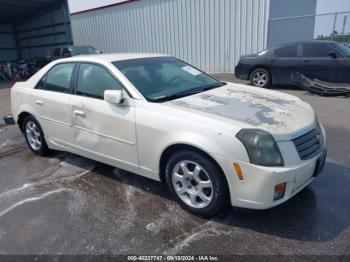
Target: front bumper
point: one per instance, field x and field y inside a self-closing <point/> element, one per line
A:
<point x="242" y="71"/>
<point x="257" y="188"/>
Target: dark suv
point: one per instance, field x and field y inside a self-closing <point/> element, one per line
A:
<point x="67" y="51"/>
<point x="323" y="60"/>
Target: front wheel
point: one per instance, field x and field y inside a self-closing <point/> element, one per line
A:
<point x="260" y="77"/>
<point x="196" y="183"/>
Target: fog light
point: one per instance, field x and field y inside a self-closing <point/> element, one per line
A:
<point x="280" y="189"/>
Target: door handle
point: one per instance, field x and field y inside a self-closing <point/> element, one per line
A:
<point x="306" y="61"/>
<point x="79" y="113"/>
<point x="39" y="102"/>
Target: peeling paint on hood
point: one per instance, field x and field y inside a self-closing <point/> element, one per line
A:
<point x="272" y="111"/>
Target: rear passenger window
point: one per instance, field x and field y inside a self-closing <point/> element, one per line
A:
<point x="93" y="80"/>
<point x="59" y="77"/>
<point x="289" y="51"/>
<point x="313" y="50"/>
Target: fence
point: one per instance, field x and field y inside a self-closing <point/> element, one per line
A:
<point x="328" y="26"/>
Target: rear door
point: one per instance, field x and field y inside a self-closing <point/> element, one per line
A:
<point x="51" y="99"/>
<point x="283" y="61"/>
<point x="316" y="62"/>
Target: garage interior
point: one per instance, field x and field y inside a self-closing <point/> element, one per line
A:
<point x="30" y="29"/>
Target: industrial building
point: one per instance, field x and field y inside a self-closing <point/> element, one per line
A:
<point x="211" y="34"/>
<point x="29" y="29"/>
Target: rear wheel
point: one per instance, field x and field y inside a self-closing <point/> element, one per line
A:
<point x="196" y="183"/>
<point x="34" y="136"/>
<point x="260" y="77"/>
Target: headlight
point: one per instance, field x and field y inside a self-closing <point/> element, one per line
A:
<point x="262" y="149"/>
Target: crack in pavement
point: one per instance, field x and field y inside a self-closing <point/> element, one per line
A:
<point x="206" y="229"/>
<point x="32" y="199"/>
<point x="11" y="152"/>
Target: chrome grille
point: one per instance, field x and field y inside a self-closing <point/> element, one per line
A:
<point x="309" y="144"/>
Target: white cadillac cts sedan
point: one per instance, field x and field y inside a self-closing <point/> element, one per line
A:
<point x="213" y="143"/>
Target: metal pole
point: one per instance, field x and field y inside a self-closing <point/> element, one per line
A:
<point x="66" y="19"/>
<point x="345" y="18"/>
<point x="335" y="21"/>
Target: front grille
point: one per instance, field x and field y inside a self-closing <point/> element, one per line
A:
<point x="309" y="144"/>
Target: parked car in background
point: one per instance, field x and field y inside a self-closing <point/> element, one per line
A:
<point x="323" y="60"/>
<point x="212" y="143"/>
<point x="73" y="50"/>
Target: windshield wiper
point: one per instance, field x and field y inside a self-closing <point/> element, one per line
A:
<point x="187" y="93"/>
<point x="206" y="88"/>
<point x="175" y="96"/>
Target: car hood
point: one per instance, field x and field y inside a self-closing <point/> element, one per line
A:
<point x="272" y="111"/>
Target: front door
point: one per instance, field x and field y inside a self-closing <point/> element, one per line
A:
<point x="104" y="131"/>
<point x="317" y="64"/>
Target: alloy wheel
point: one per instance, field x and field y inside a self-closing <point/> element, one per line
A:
<point x="33" y="135"/>
<point x="260" y="78"/>
<point x="192" y="184"/>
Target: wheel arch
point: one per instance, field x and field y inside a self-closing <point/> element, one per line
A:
<point x="166" y="154"/>
<point x="20" y="119"/>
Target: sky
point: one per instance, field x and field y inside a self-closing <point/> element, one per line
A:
<point x="76" y="5"/>
<point x="324" y="24"/>
<point x="331" y="6"/>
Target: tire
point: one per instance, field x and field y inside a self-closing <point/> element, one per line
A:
<point x="34" y="136"/>
<point x="202" y="181"/>
<point x="260" y="77"/>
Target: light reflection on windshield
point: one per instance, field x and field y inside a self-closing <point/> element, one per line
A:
<point x="159" y="78"/>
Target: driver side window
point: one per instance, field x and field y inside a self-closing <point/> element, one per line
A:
<point x="93" y="80"/>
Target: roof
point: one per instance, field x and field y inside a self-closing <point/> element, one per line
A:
<point x="304" y="42"/>
<point x="115" y="56"/>
<point x="15" y="12"/>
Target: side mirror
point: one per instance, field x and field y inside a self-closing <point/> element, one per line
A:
<point x="332" y="54"/>
<point x="113" y="96"/>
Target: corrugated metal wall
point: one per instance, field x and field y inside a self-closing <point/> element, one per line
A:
<point x="7" y="43"/>
<point x="211" y="34"/>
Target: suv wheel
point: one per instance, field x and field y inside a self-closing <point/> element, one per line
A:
<point x="260" y="77"/>
<point x="34" y="136"/>
<point x="196" y="183"/>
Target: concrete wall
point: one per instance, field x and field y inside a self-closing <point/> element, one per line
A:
<point x="211" y="34"/>
<point x="7" y="43"/>
<point x="283" y="29"/>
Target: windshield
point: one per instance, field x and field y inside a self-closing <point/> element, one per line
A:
<point x="82" y="50"/>
<point x="165" y="78"/>
<point x="343" y="49"/>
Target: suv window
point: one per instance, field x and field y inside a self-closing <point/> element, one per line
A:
<point x="93" y="80"/>
<point x="56" y="52"/>
<point x="59" y="78"/>
<point x="288" y="51"/>
<point x="65" y="52"/>
<point x="312" y="50"/>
